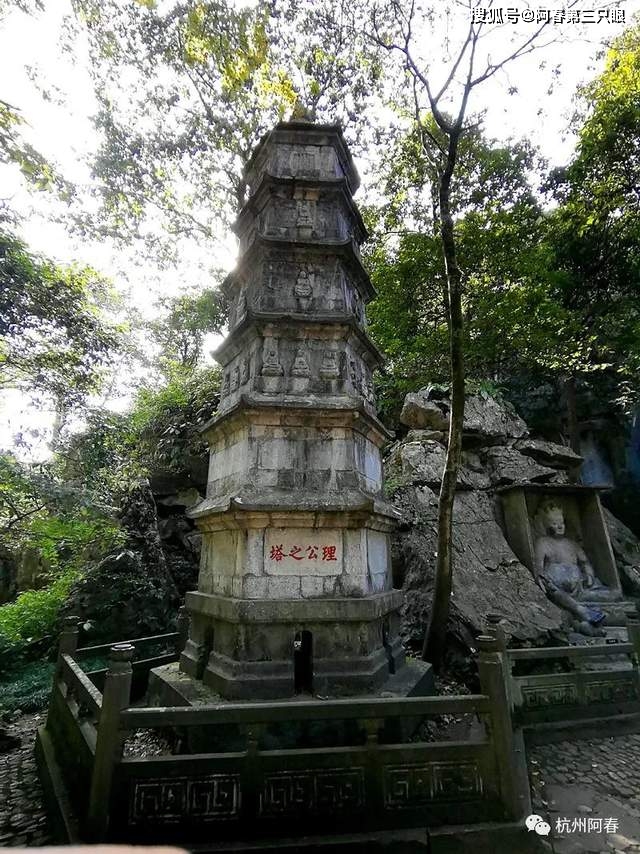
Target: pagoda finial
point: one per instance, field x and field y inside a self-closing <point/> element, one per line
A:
<point x="302" y="113"/>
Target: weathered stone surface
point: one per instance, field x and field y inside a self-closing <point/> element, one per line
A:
<point x="8" y="575"/>
<point x="423" y="462"/>
<point x="485" y="418"/>
<point x="422" y="435"/>
<point x="193" y="475"/>
<point x="549" y="453"/>
<point x="419" y="412"/>
<point x="487" y="577"/>
<point x="626" y="549"/>
<point x="181" y="498"/>
<point x="129" y="593"/>
<point x="489" y="418"/>
<point x="33" y="570"/>
<point x="507" y="465"/>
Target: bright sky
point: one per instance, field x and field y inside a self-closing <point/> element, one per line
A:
<point x="61" y="129"/>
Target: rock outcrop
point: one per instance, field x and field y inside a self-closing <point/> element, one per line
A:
<point x="488" y="576"/>
<point x="130" y="592"/>
<point x="485" y="419"/>
<point x="626" y="550"/>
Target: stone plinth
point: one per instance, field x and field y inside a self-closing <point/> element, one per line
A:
<point x="294" y="592"/>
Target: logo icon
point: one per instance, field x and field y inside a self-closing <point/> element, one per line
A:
<point x="537" y="823"/>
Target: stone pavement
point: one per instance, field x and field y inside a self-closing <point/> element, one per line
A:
<point x="589" y="792"/>
<point x="23" y="821"/>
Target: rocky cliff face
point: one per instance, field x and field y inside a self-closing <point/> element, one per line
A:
<point x="488" y="577"/>
<point x="136" y="590"/>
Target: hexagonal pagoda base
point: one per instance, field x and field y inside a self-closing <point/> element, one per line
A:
<point x="333" y="647"/>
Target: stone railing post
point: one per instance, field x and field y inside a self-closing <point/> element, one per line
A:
<point x="491" y="668"/>
<point x="115" y="697"/>
<point x="633" y="631"/>
<point x="68" y="643"/>
<point x="495" y="630"/>
<point x="374" y="781"/>
<point x="182" y="628"/>
<point x="251" y="773"/>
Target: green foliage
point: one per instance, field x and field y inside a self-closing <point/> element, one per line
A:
<point x="34" y="613"/>
<point x="160" y="433"/>
<point x="63" y="528"/>
<point x="187" y="89"/>
<point x="181" y="331"/>
<point x="26" y="687"/>
<point x="13" y="149"/>
<point x="515" y="317"/>
<point x="596" y="228"/>
<point x="40" y="510"/>
<point x="167" y="420"/>
<point x="53" y="337"/>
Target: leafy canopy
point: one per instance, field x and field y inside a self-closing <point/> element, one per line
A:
<point x="53" y="335"/>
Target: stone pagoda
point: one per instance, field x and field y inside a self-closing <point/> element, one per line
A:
<point x="294" y="592"/>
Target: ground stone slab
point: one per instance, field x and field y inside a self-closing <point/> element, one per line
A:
<point x="23" y="820"/>
<point x="600" y="788"/>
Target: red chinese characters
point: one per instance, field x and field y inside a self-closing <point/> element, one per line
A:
<point x="312" y="552"/>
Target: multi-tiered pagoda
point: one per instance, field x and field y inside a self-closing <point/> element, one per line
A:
<point x="294" y="592"/>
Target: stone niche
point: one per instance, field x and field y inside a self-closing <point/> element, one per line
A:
<point x="583" y="518"/>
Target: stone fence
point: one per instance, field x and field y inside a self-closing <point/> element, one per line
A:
<point x="255" y="771"/>
<point x="261" y="770"/>
<point x="589" y="682"/>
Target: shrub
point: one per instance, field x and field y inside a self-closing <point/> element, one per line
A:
<point x="34" y="613"/>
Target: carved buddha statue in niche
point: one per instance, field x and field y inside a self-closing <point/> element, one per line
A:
<point x="565" y="573"/>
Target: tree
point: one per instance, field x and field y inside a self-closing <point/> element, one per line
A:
<point x="443" y="99"/>
<point x="53" y="336"/>
<point x="515" y="321"/>
<point x="596" y="227"/>
<point x="186" y="90"/>
<point x="181" y="331"/>
<point x="39" y="173"/>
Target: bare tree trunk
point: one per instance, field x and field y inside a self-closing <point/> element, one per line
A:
<point x="435" y="638"/>
<point x="569" y="389"/>
<point x="58" y="423"/>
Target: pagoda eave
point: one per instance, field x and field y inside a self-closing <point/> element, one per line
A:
<point x="269" y="181"/>
<point x="295" y="408"/>
<point x="288" y="132"/>
<point x="296" y="509"/>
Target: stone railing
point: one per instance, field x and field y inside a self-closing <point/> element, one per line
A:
<point x="595" y="680"/>
<point x="255" y="770"/>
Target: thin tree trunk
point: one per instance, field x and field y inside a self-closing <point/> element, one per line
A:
<point x="58" y="423"/>
<point x="435" y="638"/>
<point x="569" y="388"/>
